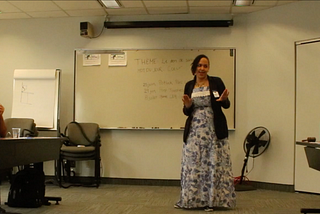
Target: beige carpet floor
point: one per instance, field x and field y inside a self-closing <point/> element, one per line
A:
<point x="133" y="199"/>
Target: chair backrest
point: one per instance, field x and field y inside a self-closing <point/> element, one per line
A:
<point x="83" y="133"/>
<point x="27" y="126"/>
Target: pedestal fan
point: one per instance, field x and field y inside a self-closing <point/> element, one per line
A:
<point x="255" y="143"/>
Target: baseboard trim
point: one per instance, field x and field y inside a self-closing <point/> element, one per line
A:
<point x="175" y="182"/>
<point x="273" y="186"/>
<point x="136" y="181"/>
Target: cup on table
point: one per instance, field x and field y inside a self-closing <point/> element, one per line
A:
<point x="15" y="132"/>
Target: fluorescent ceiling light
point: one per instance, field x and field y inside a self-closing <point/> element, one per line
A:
<point x="111" y="3"/>
<point x="243" y="2"/>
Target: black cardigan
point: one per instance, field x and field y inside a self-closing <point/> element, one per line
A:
<point x="219" y="121"/>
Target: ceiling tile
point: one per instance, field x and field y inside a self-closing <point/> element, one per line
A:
<point x="99" y="12"/>
<point x="246" y="9"/>
<point x="281" y="2"/>
<point x="265" y="3"/>
<point x="7" y="7"/>
<point x="167" y="10"/>
<point x="28" y="6"/>
<point x="211" y="10"/>
<point x="209" y="3"/>
<point x="78" y="5"/>
<point x="150" y="8"/>
<point x="48" y="14"/>
<point x="14" y="16"/>
<point x="155" y="3"/>
<point x="128" y="4"/>
<point x="125" y="11"/>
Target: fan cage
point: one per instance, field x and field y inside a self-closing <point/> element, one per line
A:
<point x="264" y="139"/>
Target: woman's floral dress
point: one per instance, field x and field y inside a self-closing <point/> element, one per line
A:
<point x="206" y="175"/>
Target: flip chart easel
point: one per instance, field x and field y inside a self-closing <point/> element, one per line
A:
<point x="36" y="96"/>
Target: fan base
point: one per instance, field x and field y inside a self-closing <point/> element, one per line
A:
<point x="244" y="187"/>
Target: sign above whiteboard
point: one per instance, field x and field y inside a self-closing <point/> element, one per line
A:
<point x="91" y="59"/>
<point x="118" y="59"/>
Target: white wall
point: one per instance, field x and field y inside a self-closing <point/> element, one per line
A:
<point x="271" y="35"/>
<point x="264" y="83"/>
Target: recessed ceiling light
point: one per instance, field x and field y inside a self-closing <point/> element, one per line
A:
<point x="111" y="3"/>
<point x="243" y="2"/>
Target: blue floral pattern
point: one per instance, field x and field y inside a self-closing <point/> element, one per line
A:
<point x="206" y="175"/>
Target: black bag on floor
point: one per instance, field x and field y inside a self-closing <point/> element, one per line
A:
<point x="27" y="189"/>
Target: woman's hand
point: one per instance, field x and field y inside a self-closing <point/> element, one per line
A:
<point x="1" y="109"/>
<point x="224" y="95"/>
<point x="187" y="101"/>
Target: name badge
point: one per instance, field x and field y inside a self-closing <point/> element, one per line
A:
<point x="215" y="94"/>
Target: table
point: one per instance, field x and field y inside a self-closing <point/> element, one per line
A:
<point x="309" y="144"/>
<point x="312" y="150"/>
<point x="27" y="150"/>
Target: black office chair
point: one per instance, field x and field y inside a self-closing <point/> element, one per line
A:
<point x="27" y="126"/>
<point x="83" y="143"/>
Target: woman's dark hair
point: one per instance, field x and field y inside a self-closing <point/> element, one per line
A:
<point x="196" y="61"/>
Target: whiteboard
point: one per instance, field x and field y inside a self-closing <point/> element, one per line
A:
<point x="142" y="89"/>
<point x="36" y="96"/>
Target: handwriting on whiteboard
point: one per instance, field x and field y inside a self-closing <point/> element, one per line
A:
<point x="163" y="89"/>
<point x="152" y="65"/>
<point x="170" y="88"/>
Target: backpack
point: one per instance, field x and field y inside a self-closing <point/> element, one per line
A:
<point x="27" y="189"/>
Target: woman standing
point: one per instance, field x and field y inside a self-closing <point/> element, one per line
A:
<point x="206" y="174"/>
